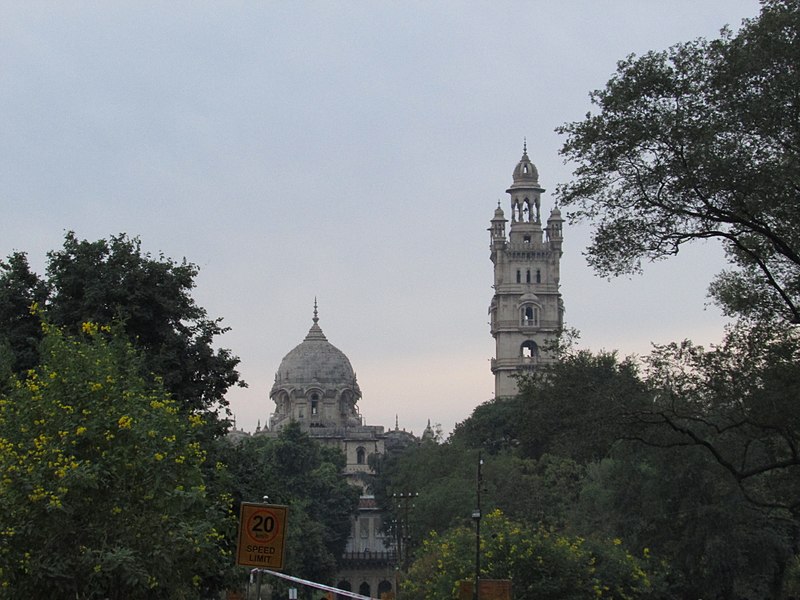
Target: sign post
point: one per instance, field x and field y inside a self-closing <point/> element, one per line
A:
<point x="262" y="531"/>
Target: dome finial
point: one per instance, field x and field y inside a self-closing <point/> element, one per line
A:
<point x="524" y="145"/>
<point x="316" y="318"/>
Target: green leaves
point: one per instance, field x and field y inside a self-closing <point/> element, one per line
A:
<point x="103" y="492"/>
<point x="700" y="141"/>
<point x="114" y="280"/>
<point x="296" y="470"/>
<point x="540" y="563"/>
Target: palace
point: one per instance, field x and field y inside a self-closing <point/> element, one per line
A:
<point x="315" y="384"/>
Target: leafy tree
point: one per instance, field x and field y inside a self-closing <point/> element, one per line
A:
<point x="493" y="426"/>
<point x="295" y="470"/>
<point x="574" y="408"/>
<point x="20" y="329"/>
<point x="678" y="505"/>
<point x="103" y="493"/>
<point x="738" y="402"/>
<point x="698" y="142"/>
<point x="114" y="280"/>
<point x="541" y="564"/>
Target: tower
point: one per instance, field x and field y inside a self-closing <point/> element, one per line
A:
<point x="526" y="311"/>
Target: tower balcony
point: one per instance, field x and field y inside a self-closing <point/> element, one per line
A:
<point x="548" y="325"/>
<point x="514" y="364"/>
<point x="355" y="560"/>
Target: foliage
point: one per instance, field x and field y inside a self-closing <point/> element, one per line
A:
<point x="678" y="503"/>
<point x="114" y="280"/>
<point x="493" y="426"/>
<point x="295" y="470"/>
<point x="540" y="563"/>
<point x="535" y="491"/>
<point x="574" y="408"/>
<point x="20" y="288"/>
<point x="738" y="401"/>
<point x="103" y="492"/>
<point x="697" y="142"/>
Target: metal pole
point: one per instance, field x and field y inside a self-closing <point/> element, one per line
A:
<point x="477" y="516"/>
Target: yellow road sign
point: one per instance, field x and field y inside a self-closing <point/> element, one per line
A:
<point x="262" y="530"/>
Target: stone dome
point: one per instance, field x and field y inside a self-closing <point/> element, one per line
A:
<point x="525" y="173"/>
<point x="316" y="361"/>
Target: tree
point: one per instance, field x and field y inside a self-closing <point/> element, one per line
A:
<point x="540" y="564"/>
<point x="574" y="408"/>
<point x="103" y="492"/>
<point x="20" y="329"/>
<point x="701" y="141"/>
<point x="114" y="280"/>
<point x="677" y="504"/>
<point x="738" y="401"/>
<point x="295" y="470"/>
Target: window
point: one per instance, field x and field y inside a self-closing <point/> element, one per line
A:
<point x="530" y="350"/>
<point x="538" y="276"/>
<point x="384" y="588"/>
<point x="528" y="276"/>
<point x="529" y="315"/>
<point x="519" y="276"/>
<point x="361" y="455"/>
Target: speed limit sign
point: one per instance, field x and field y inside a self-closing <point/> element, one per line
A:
<point x="262" y="531"/>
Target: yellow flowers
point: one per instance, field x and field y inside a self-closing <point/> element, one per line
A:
<point x="80" y="430"/>
<point x="125" y="422"/>
<point x="89" y="328"/>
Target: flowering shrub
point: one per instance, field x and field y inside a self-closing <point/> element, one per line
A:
<point x="540" y="563"/>
<point x="102" y="492"/>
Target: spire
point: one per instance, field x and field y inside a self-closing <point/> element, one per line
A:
<point x="315" y="333"/>
<point x="524" y="145"/>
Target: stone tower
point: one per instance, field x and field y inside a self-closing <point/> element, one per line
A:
<point x="526" y="311"/>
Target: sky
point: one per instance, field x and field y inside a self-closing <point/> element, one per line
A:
<point x="353" y="152"/>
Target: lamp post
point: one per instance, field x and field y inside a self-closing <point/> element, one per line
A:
<point x="476" y="514"/>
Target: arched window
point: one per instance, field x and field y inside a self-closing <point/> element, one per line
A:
<point x="529" y="350"/>
<point x="519" y="276"/>
<point x="538" y="276"/>
<point x="314" y="405"/>
<point x="384" y="587"/>
<point x="529" y="315"/>
<point x="361" y="455"/>
<point x="344" y="585"/>
<point x="364" y="589"/>
<point x="528" y="276"/>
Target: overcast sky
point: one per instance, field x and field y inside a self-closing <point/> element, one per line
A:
<point x="352" y="151"/>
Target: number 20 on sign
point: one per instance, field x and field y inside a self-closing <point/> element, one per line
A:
<point x="262" y="530"/>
